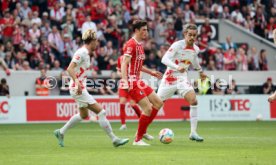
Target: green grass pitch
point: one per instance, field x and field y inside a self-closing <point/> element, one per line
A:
<point x="226" y="143"/>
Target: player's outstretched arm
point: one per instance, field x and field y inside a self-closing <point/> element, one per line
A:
<point x="152" y="72"/>
<point x="72" y="74"/>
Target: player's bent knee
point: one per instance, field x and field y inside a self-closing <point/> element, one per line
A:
<point x="147" y="110"/>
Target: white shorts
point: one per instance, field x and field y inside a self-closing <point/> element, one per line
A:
<point x="167" y="90"/>
<point x="84" y="99"/>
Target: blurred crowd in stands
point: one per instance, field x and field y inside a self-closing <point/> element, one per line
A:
<point x="45" y="33"/>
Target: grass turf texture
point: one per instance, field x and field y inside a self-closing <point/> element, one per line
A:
<point x="227" y="143"/>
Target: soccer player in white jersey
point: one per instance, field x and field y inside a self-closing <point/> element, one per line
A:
<point x="77" y="70"/>
<point x="178" y="59"/>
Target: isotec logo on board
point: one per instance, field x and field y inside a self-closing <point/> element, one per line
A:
<point x="66" y="109"/>
<point x="230" y="105"/>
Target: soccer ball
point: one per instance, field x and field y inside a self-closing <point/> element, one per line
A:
<point x="166" y="136"/>
<point x="259" y="117"/>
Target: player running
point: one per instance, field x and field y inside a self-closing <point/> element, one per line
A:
<point x="178" y="59"/>
<point x="77" y="70"/>
<point x="142" y="94"/>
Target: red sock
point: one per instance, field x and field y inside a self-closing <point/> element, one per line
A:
<point x="123" y="113"/>
<point x="153" y="114"/>
<point x="137" y="110"/>
<point x="142" y="127"/>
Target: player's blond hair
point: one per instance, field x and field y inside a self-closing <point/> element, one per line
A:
<point x="189" y="27"/>
<point x="88" y="36"/>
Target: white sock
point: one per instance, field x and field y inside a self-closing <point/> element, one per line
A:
<point x="193" y="118"/>
<point x="104" y="123"/>
<point x="73" y="121"/>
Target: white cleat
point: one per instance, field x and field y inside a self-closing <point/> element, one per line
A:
<point x="140" y="143"/>
<point x="123" y="127"/>
<point x="148" y="137"/>
<point x="196" y="137"/>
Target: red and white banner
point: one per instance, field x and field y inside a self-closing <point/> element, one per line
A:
<point x="210" y="108"/>
<point x="63" y="109"/>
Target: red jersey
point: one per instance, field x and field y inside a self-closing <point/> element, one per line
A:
<point x="135" y="50"/>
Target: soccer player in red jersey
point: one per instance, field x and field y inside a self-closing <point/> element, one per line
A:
<point x="124" y="98"/>
<point x="142" y="94"/>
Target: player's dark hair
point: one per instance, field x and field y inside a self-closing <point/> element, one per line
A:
<point x="137" y="24"/>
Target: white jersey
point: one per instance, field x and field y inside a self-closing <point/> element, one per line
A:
<point x="174" y="81"/>
<point x="179" y="54"/>
<point x="82" y="59"/>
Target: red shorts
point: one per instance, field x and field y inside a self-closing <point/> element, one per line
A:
<point x="138" y="90"/>
<point x="123" y="93"/>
